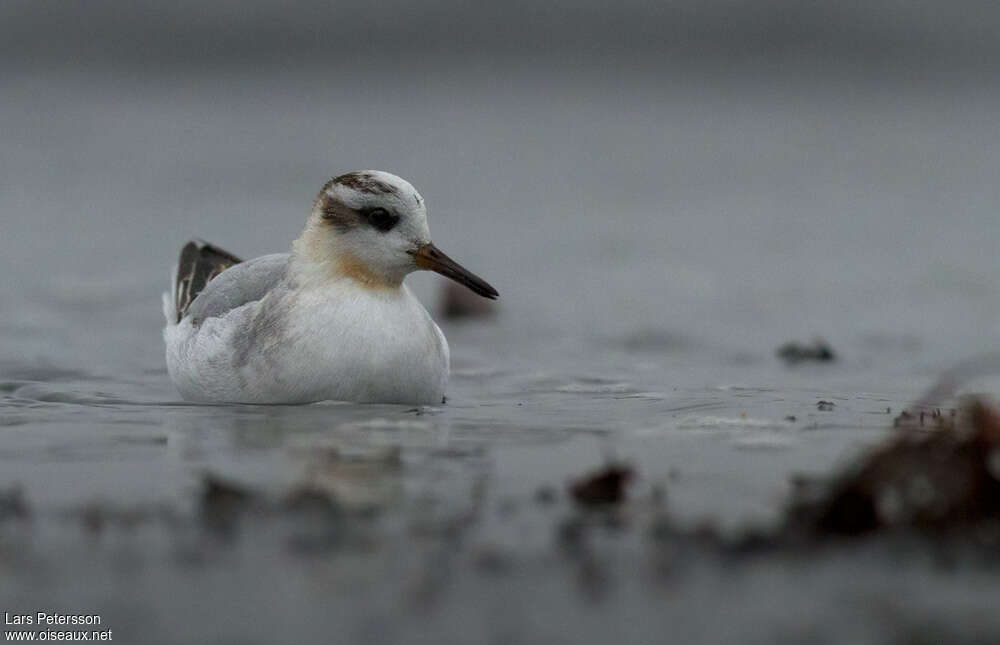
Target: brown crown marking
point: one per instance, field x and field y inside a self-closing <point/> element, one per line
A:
<point x="364" y="182"/>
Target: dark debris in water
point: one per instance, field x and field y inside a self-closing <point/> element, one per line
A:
<point x="457" y="302"/>
<point x="13" y="506"/>
<point x="604" y="487"/>
<point x="825" y="406"/>
<point x="223" y="502"/>
<point x="794" y="353"/>
<point x="937" y="477"/>
<point x="920" y="418"/>
<point x="938" y="480"/>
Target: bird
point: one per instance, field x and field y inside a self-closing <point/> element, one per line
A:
<point x="330" y="320"/>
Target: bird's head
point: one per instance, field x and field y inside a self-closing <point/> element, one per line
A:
<point x="371" y="226"/>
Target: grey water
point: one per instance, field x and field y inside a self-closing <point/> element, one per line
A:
<point x="655" y="230"/>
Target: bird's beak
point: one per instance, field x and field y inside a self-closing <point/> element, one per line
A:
<point x="427" y="256"/>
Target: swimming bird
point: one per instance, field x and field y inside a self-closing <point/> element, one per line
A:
<point x="331" y="320"/>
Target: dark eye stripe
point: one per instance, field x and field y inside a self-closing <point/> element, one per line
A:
<point x="381" y="219"/>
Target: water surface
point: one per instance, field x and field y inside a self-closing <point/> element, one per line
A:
<point x="654" y="236"/>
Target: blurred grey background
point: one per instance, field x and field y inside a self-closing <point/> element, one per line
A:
<point x="563" y="38"/>
<point x="737" y="171"/>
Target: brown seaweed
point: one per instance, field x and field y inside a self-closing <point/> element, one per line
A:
<point x="604" y="487"/>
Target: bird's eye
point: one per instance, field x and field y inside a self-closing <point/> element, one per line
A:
<point x="381" y="219"/>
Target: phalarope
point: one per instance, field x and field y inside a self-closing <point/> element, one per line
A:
<point x="332" y="320"/>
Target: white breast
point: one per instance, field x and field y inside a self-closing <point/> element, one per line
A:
<point x="340" y="342"/>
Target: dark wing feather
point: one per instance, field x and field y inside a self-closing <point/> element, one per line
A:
<point x="199" y="263"/>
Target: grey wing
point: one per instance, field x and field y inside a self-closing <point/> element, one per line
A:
<point x="242" y="283"/>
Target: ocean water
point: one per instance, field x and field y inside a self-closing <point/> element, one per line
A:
<point x="655" y="237"/>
